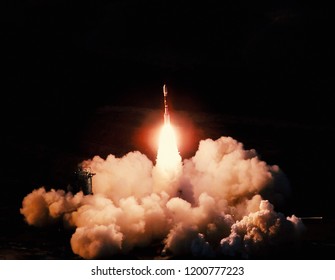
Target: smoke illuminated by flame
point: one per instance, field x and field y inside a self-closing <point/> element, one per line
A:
<point x="210" y="205"/>
<point x="168" y="156"/>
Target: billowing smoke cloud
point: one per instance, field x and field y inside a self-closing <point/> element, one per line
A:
<point x="221" y="202"/>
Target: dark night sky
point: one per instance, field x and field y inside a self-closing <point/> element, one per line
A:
<point x="63" y="59"/>
<point x="267" y="56"/>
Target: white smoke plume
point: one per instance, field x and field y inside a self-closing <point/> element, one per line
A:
<point x="210" y="206"/>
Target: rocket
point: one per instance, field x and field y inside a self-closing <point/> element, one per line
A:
<point x="166" y="109"/>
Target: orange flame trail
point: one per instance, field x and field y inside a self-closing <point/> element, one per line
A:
<point x="168" y="157"/>
<point x="168" y="167"/>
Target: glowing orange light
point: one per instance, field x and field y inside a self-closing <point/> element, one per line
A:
<point x="168" y="155"/>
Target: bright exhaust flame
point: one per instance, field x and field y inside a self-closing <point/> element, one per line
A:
<point x="168" y="157"/>
<point x="218" y="203"/>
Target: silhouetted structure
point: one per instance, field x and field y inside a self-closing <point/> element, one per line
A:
<point x="83" y="180"/>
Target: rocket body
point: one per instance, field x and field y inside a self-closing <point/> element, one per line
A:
<point x="166" y="109"/>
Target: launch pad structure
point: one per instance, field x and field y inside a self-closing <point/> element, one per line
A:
<point x="83" y="180"/>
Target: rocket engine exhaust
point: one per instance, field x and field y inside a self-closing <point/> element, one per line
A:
<point x="168" y="158"/>
<point x="218" y="203"/>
